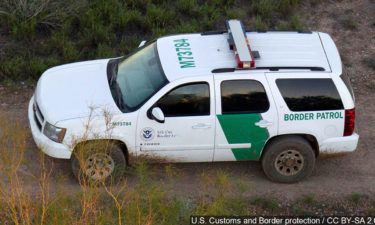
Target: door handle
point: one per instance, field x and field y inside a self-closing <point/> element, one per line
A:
<point x="263" y="123"/>
<point x="201" y="126"/>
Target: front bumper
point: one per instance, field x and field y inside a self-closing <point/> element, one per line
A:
<point x="339" y="144"/>
<point x="49" y="147"/>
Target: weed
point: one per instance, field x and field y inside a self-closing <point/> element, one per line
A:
<point x="171" y="171"/>
<point x="242" y="186"/>
<point x="264" y="8"/>
<point x="189" y="8"/>
<point x="369" y="62"/>
<point x="370" y="211"/>
<point x="266" y="202"/>
<point x="285" y="7"/>
<point x="237" y="13"/>
<point x="315" y="3"/>
<point x="356" y="197"/>
<point x="159" y="17"/>
<point x="260" y="24"/>
<point x="295" y="23"/>
<point x="309" y="199"/>
<point x="348" y="23"/>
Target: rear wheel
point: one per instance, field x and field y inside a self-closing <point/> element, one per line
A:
<point x="288" y="160"/>
<point x="99" y="162"/>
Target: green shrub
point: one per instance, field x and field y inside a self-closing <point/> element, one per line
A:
<point x="189" y="8"/>
<point x="369" y="62"/>
<point x="236" y="13"/>
<point x="309" y="199"/>
<point x="266" y="202"/>
<point x="356" y="197"/>
<point x="25" y="16"/>
<point x="295" y="23"/>
<point x="264" y="8"/>
<point x="43" y="33"/>
<point x="285" y="7"/>
<point x="260" y="24"/>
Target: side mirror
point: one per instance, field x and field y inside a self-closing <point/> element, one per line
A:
<point x="142" y="43"/>
<point x="157" y="115"/>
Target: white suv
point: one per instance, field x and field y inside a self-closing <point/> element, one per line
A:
<point x="278" y="97"/>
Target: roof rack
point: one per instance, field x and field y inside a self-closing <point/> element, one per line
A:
<point x="271" y="68"/>
<point x="216" y="32"/>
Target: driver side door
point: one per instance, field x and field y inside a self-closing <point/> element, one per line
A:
<point x="188" y="131"/>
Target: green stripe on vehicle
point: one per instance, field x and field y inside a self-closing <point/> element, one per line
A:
<point x="241" y="129"/>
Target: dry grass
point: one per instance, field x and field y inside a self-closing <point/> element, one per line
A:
<point x="148" y="201"/>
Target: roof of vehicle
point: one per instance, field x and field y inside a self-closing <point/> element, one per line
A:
<point x="276" y="49"/>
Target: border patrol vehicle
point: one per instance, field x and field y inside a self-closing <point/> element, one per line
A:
<point x="277" y="97"/>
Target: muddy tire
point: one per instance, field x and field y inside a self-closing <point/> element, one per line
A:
<point x="99" y="162"/>
<point x="288" y="160"/>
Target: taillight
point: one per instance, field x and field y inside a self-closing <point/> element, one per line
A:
<point x="349" y="122"/>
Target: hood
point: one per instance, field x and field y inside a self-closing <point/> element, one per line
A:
<point x="69" y="91"/>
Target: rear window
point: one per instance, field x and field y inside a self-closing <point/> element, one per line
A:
<point x="310" y="94"/>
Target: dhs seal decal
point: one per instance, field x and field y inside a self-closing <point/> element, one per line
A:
<point x="147" y="134"/>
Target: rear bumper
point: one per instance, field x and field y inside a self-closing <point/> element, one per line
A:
<point x="339" y="144"/>
<point x="48" y="146"/>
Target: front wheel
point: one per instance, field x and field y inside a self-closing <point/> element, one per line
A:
<point x="288" y="160"/>
<point x="98" y="162"/>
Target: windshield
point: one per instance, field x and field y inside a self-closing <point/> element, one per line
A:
<point x="137" y="78"/>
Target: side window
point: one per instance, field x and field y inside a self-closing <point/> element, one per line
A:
<point x="310" y="94"/>
<point x="243" y="96"/>
<point x="187" y="100"/>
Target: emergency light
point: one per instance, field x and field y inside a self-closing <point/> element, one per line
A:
<point x="239" y="43"/>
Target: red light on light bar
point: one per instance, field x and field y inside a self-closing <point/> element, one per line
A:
<point x="244" y="64"/>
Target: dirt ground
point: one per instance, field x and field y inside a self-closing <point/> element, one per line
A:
<point x="352" y="26"/>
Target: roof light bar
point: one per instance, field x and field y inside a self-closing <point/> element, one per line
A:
<point x="239" y="43"/>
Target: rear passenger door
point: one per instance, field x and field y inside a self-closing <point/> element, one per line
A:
<point x="308" y="103"/>
<point x="245" y="117"/>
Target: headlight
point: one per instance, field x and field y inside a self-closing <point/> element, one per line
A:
<point x="54" y="133"/>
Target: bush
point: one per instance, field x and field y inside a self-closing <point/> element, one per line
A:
<point x="44" y="33"/>
<point x="24" y="17"/>
<point x="369" y="62"/>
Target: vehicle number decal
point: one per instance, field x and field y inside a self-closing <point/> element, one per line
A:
<point x="184" y="54"/>
<point x="122" y="124"/>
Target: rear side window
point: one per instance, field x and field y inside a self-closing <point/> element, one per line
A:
<point x="348" y="84"/>
<point x="243" y="96"/>
<point x="310" y="94"/>
<point x="187" y="100"/>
